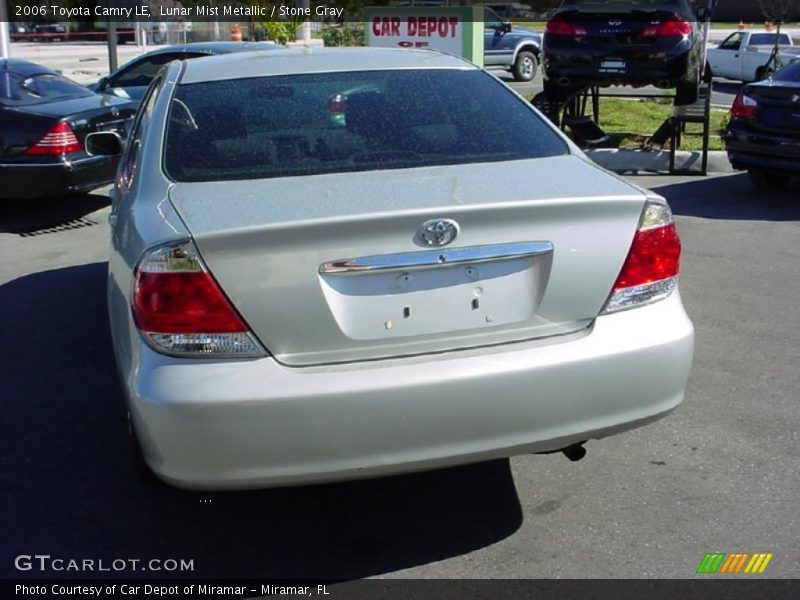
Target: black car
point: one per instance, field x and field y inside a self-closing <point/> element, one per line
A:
<point x="131" y="79"/>
<point x="44" y="120"/>
<point x="763" y="135"/>
<point x="19" y="31"/>
<point x="624" y="42"/>
<point x="49" y="32"/>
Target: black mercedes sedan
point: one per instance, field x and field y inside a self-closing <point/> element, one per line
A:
<point x="763" y="134"/>
<point x="624" y="42"/>
<point x="131" y="79"/>
<point x="44" y="120"/>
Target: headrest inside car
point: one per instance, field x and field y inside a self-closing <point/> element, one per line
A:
<point x="369" y="114"/>
<point x="221" y="123"/>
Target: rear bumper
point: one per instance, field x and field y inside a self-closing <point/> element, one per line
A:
<point x="753" y="150"/>
<point x="584" y="67"/>
<point x="238" y="424"/>
<point x="37" y="180"/>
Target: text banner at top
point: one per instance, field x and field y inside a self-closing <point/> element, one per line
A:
<point x="242" y="10"/>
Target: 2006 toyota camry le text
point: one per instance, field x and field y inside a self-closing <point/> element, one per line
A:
<point x="340" y="263"/>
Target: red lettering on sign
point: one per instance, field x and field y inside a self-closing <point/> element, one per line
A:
<point x="442" y="27"/>
<point x="385" y="26"/>
<point x="453" y="23"/>
<point x="432" y="23"/>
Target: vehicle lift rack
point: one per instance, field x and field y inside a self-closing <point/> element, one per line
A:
<point x="573" y="113"/>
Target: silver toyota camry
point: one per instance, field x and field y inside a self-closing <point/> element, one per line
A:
<point x="343" y="263"/>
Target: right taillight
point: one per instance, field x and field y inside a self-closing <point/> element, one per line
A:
<point x="337" y="103"/>
<point x="743" y="106"/>
<point x="671" y="27"/>
<point x="651" y="268"/>
<point x="559" y="25"/>
<point x="180" y="309"/>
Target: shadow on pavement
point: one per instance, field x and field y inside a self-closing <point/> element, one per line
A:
<point x="33" y="217"/>
<point x="71" y="489"/>
<point x="733" y="198"/>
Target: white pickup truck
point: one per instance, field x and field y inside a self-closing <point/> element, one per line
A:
<point x="743" y="55"/>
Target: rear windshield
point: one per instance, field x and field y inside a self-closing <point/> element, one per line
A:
<point x="790" y="73"/>
<point x="23" y="90"/>
<point x="308" y="124"/>
<point x="631" y="9"/>
<point x="764" y="39"/>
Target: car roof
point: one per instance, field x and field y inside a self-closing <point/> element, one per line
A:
<point x="24" y="67"/>
<point x="214" y="47"/>
<point x="317" y="60"/>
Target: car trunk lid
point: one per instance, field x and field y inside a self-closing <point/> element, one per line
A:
<point x="535" y="255"/>
<point x="778" y="107"/>
<point x="87" y="114"/>
<point x="624" y="28"/>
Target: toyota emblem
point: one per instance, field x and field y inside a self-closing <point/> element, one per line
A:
<point x="437" y="232"/>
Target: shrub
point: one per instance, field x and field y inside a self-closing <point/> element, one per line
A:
<point x="343" y="35"/>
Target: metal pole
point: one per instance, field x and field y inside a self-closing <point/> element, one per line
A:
<point x="216" y="22"/>
<point x="304" y="34"/>
<point x="3" y="29"/>
<point x="112" y="45"/>
<point x="711" y="6"/>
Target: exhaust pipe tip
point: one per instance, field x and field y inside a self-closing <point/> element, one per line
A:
<point x="563" y="81"/>
<point x="575" y="452"/>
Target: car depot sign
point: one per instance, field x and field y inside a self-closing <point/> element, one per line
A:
<point x="455" y="30"/>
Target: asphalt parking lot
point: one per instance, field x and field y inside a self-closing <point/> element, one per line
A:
<point x="719" y="474"/>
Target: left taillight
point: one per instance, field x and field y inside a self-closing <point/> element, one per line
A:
<point x="180" y="308"/>
<point x="59" y="139"/>
<point x="650" y="271"/>
<point x="743" y="106"/>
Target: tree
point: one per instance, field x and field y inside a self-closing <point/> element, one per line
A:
<point x="776" y="11"/>
<point x="280" y="30"/>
